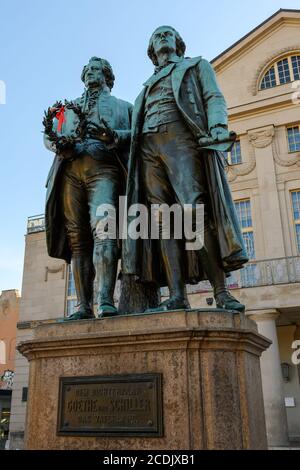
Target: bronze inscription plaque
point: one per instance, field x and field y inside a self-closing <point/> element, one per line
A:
<point x="122" y="405"/>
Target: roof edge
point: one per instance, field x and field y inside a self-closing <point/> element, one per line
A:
<point x="253" y="30"/>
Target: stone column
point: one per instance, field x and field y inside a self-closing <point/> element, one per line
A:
<point x="276" y="418"/>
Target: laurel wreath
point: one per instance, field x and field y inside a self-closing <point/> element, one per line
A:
<point x="62" y="141"/>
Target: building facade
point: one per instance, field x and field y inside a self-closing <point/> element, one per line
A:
<point x="9" y="316"/>
<point x="260" y="78"/>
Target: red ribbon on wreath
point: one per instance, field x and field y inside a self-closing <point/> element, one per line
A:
<point x="60" y="115"/>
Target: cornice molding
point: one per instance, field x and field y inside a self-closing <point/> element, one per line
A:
<point x="235" y="114"/>
<point x="263" y="315"/>
<point x="181" y="339"/>
<point x="253" y="38"/>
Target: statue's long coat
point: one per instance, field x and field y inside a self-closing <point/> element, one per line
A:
<point x="117" y="113"/>
<point x="202" y="107"/>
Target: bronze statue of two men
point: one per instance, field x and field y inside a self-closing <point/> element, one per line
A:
<point x="164" y="150"/>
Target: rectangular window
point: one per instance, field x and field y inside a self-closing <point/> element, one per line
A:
<point x="243" y="209"/>
<point x="283" y="71"/>
<point x="235" y="156"/>
<point x="24" y="393"/>
<point x="71" y="294"/>
<point x="296" y="213"/>
<point x="71" y="300"/>
<point x="296" y="66"/>
<point x="298" y="235"/>
<point x="249" y="244"/>
<point x="71" y="284"/>
<point x="71" y="304"/>
<point x="248" y="273"/>
<point x="293" y="134"/>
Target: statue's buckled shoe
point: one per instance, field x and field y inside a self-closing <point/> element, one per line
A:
<point x="84" y="314"/>
<point x="226" y="301"/>
<point x="107" y="310"/>
<point x="171" y="304"/>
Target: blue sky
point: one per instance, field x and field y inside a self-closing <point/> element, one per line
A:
<point x="43" y="46"/>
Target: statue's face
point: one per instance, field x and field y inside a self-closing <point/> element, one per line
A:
<point x="94" y="75"/>
<point x="164" y="40"/>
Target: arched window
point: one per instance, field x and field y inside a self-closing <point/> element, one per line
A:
<point x="282" y="71"/>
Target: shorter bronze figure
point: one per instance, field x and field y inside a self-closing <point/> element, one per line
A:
<point x="91" y="138"/>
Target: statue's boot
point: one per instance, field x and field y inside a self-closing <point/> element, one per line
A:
<point x="83" y="273"/>
<point x="227" y="301"/>
<point x="173" y="261"/>
<point x="106" y="265"/>
<point x="209" y="255"/>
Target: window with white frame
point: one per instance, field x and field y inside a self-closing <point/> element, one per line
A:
<point x="269" y="79"/>
<point x="248" y="273"/>
<point x="296" y="212"/>
<point x="283" y="71"/>
<point x="293" y="137"/>
<point x="296" y="66"/>
<point x="71" y="300"/>
<point x="243" y="209"/>
<point x="234" y="157"/>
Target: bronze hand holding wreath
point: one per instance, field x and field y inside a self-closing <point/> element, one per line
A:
<point x="64" y="144"/>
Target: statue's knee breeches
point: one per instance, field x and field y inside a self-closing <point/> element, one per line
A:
<point x="90" y="195"/>
<point x="81" y="242"/>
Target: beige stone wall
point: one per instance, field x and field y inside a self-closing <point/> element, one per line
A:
<point x="44" y="281"/>
<point x="9" y="316"/>
<point x="43" y="298"/>
<point x="267" y="176"/>
<point x="268" y="172"/>
<point x="240" y="68"/>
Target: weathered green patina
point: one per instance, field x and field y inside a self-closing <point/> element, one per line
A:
<point x="179" y="127"/>
<point x="86" y="173"/>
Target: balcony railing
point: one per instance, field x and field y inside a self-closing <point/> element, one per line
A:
<point x="258" y="273"/>
<point x="267" y="273"/>
<point x="36" y="223"/>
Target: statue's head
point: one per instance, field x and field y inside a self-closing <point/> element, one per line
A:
<point x="165" y="38"/>
<point x="97" y="72"/>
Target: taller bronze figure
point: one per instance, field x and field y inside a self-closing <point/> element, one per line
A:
<point x="91" y="138"/>
<point x="179" y="129"/>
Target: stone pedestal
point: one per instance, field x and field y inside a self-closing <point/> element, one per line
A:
<point x="209" y="364"/>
